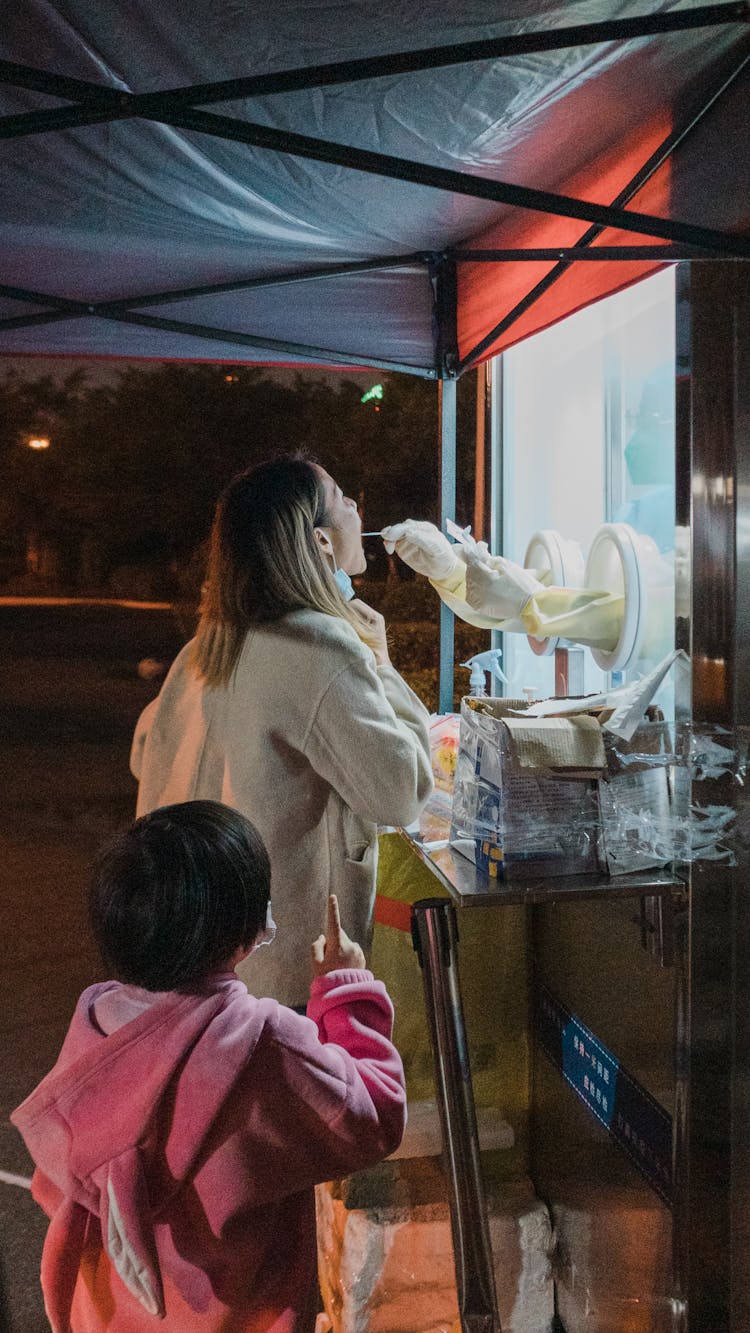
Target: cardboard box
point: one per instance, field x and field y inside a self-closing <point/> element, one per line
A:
<point x="546" y="797"/>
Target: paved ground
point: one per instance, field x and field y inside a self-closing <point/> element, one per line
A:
<point x="46" y="959"/>
<point x="65" y="726"/>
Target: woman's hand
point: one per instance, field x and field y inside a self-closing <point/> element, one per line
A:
<point x="376" y="627"/>
<point x="335" y="950"/>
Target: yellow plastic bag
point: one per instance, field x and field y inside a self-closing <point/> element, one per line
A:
<point x="493" y="955"/>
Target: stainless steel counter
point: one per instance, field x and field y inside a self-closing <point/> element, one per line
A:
<point x="470" y="887"/>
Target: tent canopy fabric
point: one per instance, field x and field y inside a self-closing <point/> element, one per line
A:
<point x="335" y="182"/>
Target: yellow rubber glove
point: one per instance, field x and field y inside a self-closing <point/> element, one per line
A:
<point x="591" y="618"/>
<point x="498" y="587"/>
<point x="584" y="616"/>
<point x="493" y="593"/>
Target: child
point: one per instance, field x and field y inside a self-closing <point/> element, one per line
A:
<point x="179" y="1136"/>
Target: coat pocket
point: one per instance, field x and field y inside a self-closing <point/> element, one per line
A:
<point x="357" y="895"/>
<point x="361" y="854"/>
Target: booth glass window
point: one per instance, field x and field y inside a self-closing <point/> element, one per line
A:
<point x="588" y="439"/>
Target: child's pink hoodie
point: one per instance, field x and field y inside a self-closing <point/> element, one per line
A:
<point x="176" y="1152"/>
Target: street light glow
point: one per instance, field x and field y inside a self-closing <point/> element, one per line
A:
<point x="38" y="442"/>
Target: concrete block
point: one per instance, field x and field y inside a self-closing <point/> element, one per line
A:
<point x="422" y="1137"/>
<point x="391" y="1269"/>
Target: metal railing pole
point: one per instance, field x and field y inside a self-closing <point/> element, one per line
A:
<point x="435" y="936"/>
<point x="447" y="391"/>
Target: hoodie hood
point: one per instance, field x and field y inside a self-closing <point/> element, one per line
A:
<point x="96" y="1126"/>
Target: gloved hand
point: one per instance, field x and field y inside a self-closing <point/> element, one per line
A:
<point x="498" y="587"/>
<point x="422" y="547"/>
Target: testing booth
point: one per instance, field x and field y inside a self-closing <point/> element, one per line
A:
<point x="554" y="201"/>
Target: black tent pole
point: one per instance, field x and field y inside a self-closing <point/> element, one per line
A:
<point x="445" y="338"/>
<point x="392" y="63"/>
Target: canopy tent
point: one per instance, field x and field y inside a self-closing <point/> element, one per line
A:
<point x="310" y="182"/>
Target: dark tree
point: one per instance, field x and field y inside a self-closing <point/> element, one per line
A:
<point x="134" y="467"/>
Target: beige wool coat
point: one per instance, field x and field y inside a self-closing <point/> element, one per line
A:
<point x="317" y="745"/>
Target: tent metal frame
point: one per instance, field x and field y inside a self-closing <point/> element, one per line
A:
<point x="352" y="71"/>
<point x="95" y="104"/>
<point x="677" y="136"/>
<point x="119" y="312"/>
<point x="417" y="173"/>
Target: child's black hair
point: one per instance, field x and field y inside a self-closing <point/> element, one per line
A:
<point x="177" y="893"/>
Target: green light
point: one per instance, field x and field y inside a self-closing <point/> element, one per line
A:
<point x="375" y="392"/>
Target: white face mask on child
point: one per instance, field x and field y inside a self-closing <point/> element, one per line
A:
<point x="268" y="932"/>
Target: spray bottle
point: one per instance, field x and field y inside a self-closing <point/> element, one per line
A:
<point x="478" y="665"/>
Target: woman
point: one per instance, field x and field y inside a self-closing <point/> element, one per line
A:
<point x="286" y="707"/>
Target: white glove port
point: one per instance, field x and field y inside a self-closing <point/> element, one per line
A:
<point x="422" y="547"/>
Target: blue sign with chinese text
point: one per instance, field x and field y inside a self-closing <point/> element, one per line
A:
<point x="634" y="1119"/>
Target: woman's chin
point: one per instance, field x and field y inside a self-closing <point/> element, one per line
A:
<point x="356" y="566"/>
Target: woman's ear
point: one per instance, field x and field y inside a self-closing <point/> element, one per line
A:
<point x="324" y="540"/>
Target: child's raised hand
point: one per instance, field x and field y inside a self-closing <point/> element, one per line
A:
<point x="335" y="950"/>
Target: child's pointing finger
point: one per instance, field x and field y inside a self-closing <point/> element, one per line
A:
<point x="334" y="918"/>
<point x="335" y="950"/>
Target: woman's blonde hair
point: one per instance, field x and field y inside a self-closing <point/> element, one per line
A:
<point x="264" y="561"/>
